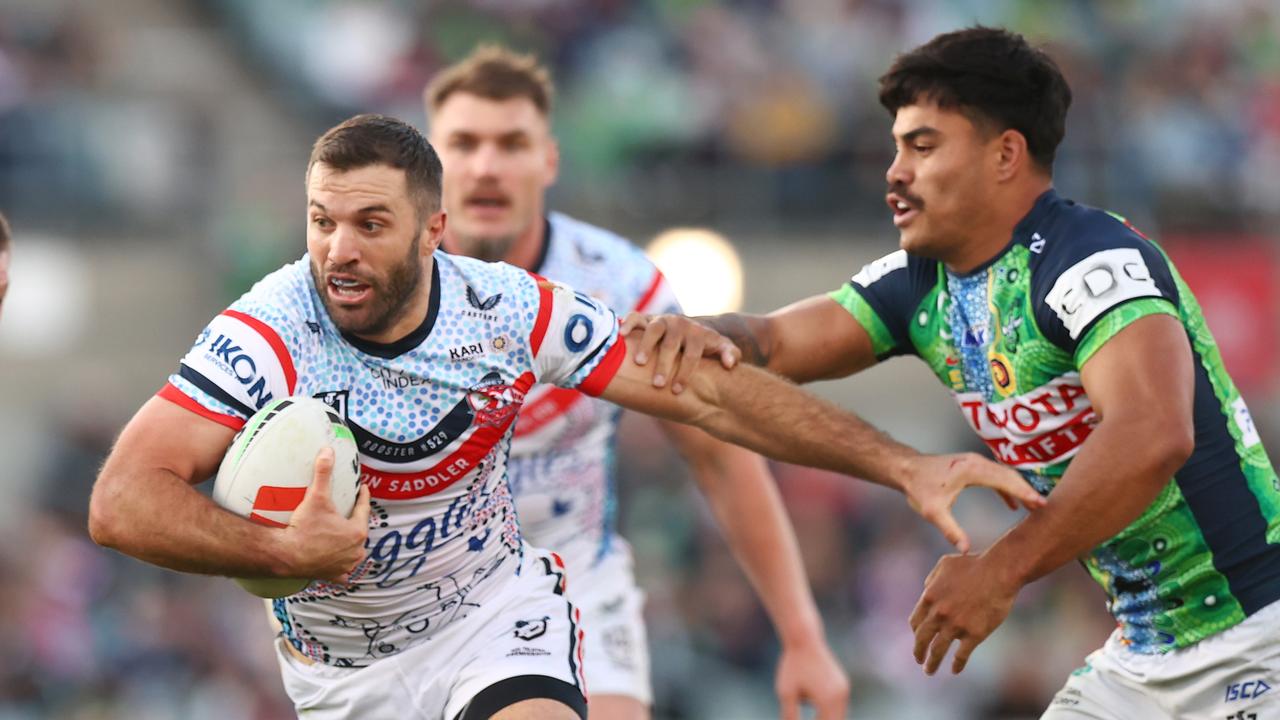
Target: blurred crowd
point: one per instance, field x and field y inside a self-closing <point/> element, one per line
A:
<point x="720" y="112"/>
<point x="723" y="111"/>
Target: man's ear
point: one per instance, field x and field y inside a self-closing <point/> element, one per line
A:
<point x="1012" y="155"/>
<point x="433" y="232"/>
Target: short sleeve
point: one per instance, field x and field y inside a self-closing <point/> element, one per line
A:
<point x="237" y="365"/>
<point x="1094" y="285"/>
<point x="575" y="341"/>
<point x="882" y="297"/>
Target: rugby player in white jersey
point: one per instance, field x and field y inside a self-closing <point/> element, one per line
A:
<point x="427" y="603"/>
<point x="489" y="119"/>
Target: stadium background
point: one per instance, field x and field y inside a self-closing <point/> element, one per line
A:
<point x="151" y="159"/>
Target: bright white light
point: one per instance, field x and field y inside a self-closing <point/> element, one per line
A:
<point x="702" y="267"/>
<point x="47" y="308"/>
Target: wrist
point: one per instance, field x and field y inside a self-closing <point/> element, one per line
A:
<point x="1011" y="569"/>
<point x="282" y="558"/>
<point x="802" y="630"/>
<point x="904" y="470"/>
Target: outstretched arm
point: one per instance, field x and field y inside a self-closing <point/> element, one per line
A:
<point x="144" y="505"/>
<point x="813" y="339"/>
<point x="1141" y="384"/>
<point x="760" y="411"/>
<point x="749" y="511"/>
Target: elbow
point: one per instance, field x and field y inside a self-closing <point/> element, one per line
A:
<point x="1177" y="442"/>
<point x="104" y="518"/>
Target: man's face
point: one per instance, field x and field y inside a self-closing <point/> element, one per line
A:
<point x="499" y="159"/>
<point x="366" y="245"/>
<point x="4" y="275"/>
<point x="940" y="178"/>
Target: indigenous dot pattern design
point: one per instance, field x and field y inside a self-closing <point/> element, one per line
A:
<point x="432" y="423"/>
<point x="562" y="468"/>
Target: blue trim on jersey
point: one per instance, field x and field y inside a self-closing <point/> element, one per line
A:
<point x="1224" y="507"/>
<point x="211" y="388"/>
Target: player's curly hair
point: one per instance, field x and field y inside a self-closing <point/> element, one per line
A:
<point x="493" y="72"/>
<point x="993" y="76"/>
<point x="369" y="139"/>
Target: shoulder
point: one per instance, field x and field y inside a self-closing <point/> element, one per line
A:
<point x="1074" y="232"/>
<point x="285" y="300"/>
<point x="1085" y="261"/>
<point x="469" y="277"/>
<point x="896" y="268"/>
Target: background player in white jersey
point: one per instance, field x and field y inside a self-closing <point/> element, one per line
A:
<point x="427" y="601"/>
<point x="490" y="120"/>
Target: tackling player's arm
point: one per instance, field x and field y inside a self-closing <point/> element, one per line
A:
<point x="1141" y="383"/>
<point x="755" y="409"/>
<point x="749" y="511"/>
<point x="144" y="505"/>
<point x="813" y="339"/>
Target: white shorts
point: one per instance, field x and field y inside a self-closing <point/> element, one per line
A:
<point x="1234" y="675"/>
<point x="525" y="644"/>
<point x="613" y="614"/>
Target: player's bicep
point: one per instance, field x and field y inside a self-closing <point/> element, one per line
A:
<point x="1145" y="369"/>
<point x="817" y="339"/>
<point x="164" y="436"/>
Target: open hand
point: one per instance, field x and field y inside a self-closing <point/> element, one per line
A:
<point x="936" y="480"/>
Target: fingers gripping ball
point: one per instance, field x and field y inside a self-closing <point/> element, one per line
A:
<point x="270" y="464"/>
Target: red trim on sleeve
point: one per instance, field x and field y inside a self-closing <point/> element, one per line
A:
<point x="647" y="297"/>
<point x="177" y="397"/>
<point x="544" y="314"/>
<point x="273" y="339"/>
<point x="600" y="378"/>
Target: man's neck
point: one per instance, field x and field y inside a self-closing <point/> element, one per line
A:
<point x="527" y="249"/>
<point x="991" y="235"/>
<point x="524" y="253"/>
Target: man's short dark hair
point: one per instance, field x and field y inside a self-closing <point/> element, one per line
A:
<point x="993" y="76"/>
<point x="4" y="233"/>
<point x="366" y="140"/>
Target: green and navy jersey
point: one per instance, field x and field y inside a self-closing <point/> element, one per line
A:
<point x="1009" y="339"/>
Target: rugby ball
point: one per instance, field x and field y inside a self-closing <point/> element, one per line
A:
<point x="270" y="464"/>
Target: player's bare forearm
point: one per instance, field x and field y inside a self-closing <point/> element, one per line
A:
<point x="144" y="505"/>
<point x="1119" y="471"/>
<point x="749" y="332"/>
<point x="760" y="411"/>
<point x="155" y="516"/>
<point x="748" y="508"/>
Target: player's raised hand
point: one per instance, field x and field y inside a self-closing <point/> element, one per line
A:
<point x="810" y="674"/>
<point x="323" y="544"/>
<point x="935" y="481"/>
<point x="677" y="343"/>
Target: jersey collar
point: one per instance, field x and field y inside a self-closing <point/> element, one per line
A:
<point x="412" y="340"/>
<point x="1021" y="232"/>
